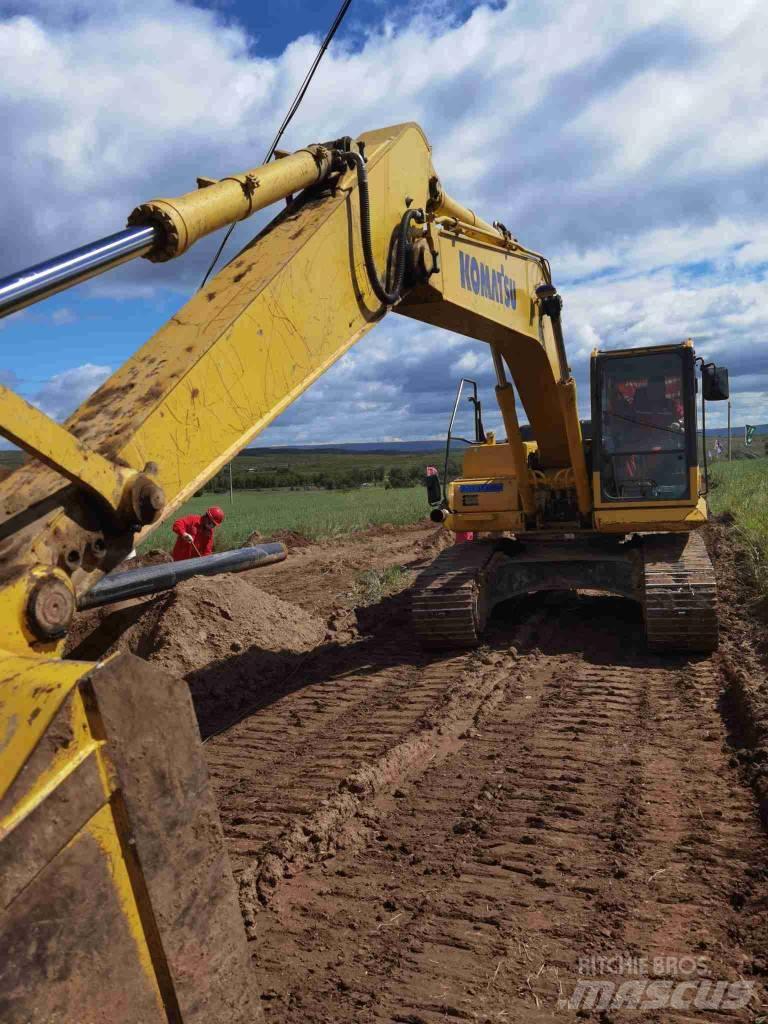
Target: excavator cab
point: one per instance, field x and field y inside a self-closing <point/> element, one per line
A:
<point x="644" y="415"/>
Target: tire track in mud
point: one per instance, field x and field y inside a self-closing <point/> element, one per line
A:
<point x="305" y="740"/>
<point x="587" y="811"/>
<point x="290" y="779"/>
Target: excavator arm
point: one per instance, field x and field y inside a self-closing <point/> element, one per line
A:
<point x="245" y="346"/>
<point x="118" y="902"/>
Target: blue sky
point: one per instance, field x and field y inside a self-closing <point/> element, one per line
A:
<point x="627" y="142"/>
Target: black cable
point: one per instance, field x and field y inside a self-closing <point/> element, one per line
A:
<point x="288" y="118"/>
<point x="219" y="251"/>
<point x="310" y="74"/>
<point x="385" y="297"/>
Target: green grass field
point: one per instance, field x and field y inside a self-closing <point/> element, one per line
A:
<point x="741" y="488"/>
<point x="313" y="513"/>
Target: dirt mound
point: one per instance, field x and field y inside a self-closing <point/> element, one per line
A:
<point x="240" y="641"/>
<point x="155" y="556"/>
<point x="435" y="542"/>
<point x="210" y="619"/>
<point x="230" y="639"/>
<point x="291" y="539"/>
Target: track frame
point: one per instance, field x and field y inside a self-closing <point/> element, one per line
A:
<point x="669" y="576"/>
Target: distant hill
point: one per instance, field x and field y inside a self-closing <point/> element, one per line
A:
<point x="13" y="457"/>
<point x="406" y="447"/>
<point x="350" y="448"/>
<point x="760" y="428"/>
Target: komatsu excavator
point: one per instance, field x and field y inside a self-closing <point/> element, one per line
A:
<point x="118" y="902"/>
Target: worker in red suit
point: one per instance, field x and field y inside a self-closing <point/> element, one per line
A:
<point x="662" y="415"/>
<point x="196" y="534"/>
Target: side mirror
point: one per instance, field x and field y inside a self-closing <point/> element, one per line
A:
<point x="714" y="383"/>
<point x="434" y="490"/>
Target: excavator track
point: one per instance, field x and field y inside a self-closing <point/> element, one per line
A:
<point x="680" y="599"/>
<point x="448" y="606"/>
<point x="675" y="584"/>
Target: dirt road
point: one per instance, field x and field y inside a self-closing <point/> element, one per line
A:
<point x="422" y="838"/>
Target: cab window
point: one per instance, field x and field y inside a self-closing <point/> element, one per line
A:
<point x="644" y="436"/>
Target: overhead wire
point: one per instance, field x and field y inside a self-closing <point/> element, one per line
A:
<point x="288" y="118"/>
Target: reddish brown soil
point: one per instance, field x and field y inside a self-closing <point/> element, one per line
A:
<point x="743" y="660"/>
<point x="241" y="640"/>
<point x="423" y="838"/>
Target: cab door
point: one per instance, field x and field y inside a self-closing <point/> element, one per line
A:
<point x="644" y="426"/>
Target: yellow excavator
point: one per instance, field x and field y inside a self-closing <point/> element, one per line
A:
<point x="117" y="898"/>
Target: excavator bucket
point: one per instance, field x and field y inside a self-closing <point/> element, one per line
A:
<point x="118" y="903"/>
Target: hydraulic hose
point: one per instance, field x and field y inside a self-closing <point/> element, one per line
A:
<point x="385" y="297"/>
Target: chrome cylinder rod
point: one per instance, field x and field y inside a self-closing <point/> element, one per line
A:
<point x="36" y="283"/>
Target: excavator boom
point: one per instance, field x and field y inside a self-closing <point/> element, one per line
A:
<point x="245" y="346"/>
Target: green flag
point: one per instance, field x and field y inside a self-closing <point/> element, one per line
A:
<point x="749" y="433"/>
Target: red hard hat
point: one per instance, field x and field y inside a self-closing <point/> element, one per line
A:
<point x="216" y="514"/>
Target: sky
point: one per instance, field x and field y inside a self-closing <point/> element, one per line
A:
<point x="628" y="142"/>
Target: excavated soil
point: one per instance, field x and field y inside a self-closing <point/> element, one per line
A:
<point x="239" y="640"/>
<point x="423" y="838"/>
<point x="226" y="636"/>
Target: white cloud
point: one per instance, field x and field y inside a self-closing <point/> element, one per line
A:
<point x="726" y="243"/>
<point x="63" y="315"/>
<point x="468" y="362"/>
<point x="690" y="115"/>
<point x="60" y="395"/>
<point x="634" y="154"/>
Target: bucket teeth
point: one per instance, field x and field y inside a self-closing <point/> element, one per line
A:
<point x="680" y="599"/>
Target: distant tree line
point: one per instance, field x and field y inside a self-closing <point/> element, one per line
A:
<point x="335" y="478"/>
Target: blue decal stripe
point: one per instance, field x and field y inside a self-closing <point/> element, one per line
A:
<point x="479" y="488"/>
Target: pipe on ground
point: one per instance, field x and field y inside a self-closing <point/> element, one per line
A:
<point x="155" y="578"/>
